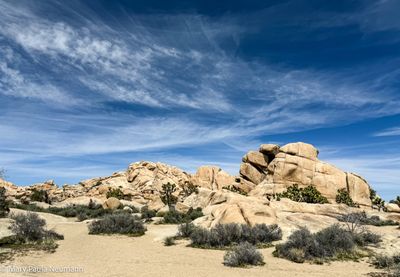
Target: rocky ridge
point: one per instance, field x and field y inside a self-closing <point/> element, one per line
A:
<point x="246" y="198"/>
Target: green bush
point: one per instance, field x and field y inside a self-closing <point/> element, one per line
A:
<point x="147" y="214"/>
<point x="308" y="194"/>
<point x="40" y="196"/>
<point x="226" y="235"/>
<point x="117" y="193"/>
<point x="329" y="243"/>
<point x="169" y="241"/>
<point x="4" y="204"/>
<point x="242" y="255"/>
<point x="119" y="223"/>
<point x="343" y="197"/>
<point x="31" y="228"/>
<point x="175" y="217"/>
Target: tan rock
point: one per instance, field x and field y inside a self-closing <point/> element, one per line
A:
<point x="270" y="149"/>
<point x="227" y="207"/>
<point x="358" y="189"/>
<point x="212" y="177"/>
<point x="392" y="208"/>
<point x="250" y="173"/>
<point x="257" y="159"/>
<point x="300" y="149"/>
<point x="112" y="203"/>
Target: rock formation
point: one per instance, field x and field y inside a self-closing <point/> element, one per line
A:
<point x="246" y="198"/>
<point x="273" y="169"/>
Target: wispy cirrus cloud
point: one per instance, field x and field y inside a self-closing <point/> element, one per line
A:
<point x="395" y="131"/>
<point x="156" y="82"/>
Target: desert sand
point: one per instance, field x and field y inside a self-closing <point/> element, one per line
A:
<point x="147" y="256"/>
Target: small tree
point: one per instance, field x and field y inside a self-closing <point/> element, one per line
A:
<point x="117" y="193"/>
<point x="4" y="205"/>
<point x="167" y="194"/>
<point x="343" y="197"/>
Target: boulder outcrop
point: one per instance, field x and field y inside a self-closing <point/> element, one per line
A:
<point x="298" y="163"/>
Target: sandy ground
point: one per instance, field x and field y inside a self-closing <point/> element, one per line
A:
<point x="147" y="256"/>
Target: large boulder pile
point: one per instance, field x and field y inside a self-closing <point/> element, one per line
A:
<point x="273" y="169"/>
<point x="225" y="198"/>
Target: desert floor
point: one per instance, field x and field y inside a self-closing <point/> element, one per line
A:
<point x="147" y="256"/>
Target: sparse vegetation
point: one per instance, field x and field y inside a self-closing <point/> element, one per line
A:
<point x="4" y="204"/>
<point x="227" y="235"/>
<point x="118" y="223"/>
<point x="185" y="230"/>
<point x="167" y="195"/>
<point x="308" y="194"/>
<point x="147" y="213"/>
<point x="175" y="217"/>
<point x="115" y="192"/>
<point x="169" y="241"/>
<point x="242" y="255"/>
<point x="39" y="195"/>
<point x="361" y="218"/>
<point x="330" y="243"/>
<point x="343" y="197"/>
<point x="235" y="189"/>
<point x="189" y="188"/>
<point x="30" y="227"/>
<point x="29" y="233"/>
<point x="391" y="264"/>
<point x="80" y="211"/>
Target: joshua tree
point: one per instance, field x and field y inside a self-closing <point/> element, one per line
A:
<point x="167" y="194"/>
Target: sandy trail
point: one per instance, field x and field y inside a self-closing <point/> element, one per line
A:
<point x="147" y="256"/>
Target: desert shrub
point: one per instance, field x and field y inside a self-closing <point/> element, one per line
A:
<point x="4" y="204"/>
<point x="119" y="223"/>
<point x="189" y="188"/>
<point x="40" y="196"/>
<point x="242" y="255"/>
<point x="300" y="246"/>
<point x="226" y="235"/>
<point x="185" y="229"/>
<point x="335" y="239"/>
<point x="115" y="192"/>
<point x="147" y="213"/>
<point x="361" y="218"/>
<point x="391" y="264"/>
<point x="328" y="243"/>
<point x="343" y="197"/>
<point x="235" y="189"/>
<point x="167" y="196"/>
<point x="366" y="237"/>
<point x="31" y="228"/>
<point x="308" y="194"/>
<point x="192" y="214"/>
<point x="168" y="241"/>
<point x="175" y="217"/>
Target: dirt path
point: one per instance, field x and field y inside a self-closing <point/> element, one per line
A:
<point x="147" y="256"/>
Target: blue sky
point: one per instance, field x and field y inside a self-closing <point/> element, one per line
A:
<point x="87" y="87"/>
